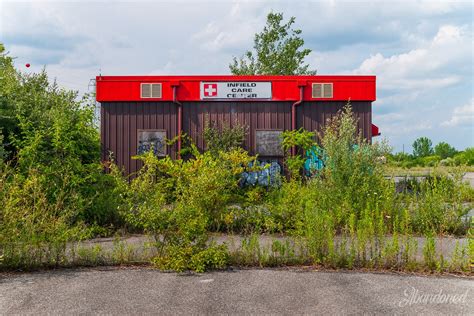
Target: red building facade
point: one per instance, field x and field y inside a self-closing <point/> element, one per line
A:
<point x="141" y="111"/>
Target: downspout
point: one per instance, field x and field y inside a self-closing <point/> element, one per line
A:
<point x="180" y="114"/>
<point x="293" y="114"/>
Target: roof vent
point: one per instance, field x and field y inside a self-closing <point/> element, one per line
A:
<point x="322" y="90"/>
<point x="150" y="90"/>
<point x="327" y="90"/>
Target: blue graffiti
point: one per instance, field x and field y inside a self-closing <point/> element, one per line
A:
<point x="155" y="144"/>
<point x="268" y="175"/>
<point x="315" y="159"/>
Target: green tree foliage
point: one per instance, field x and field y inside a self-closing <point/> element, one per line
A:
<point x="8" y="122"/>
<point x="422" y="147"/>
<point x="52" y="133"/>
<point x="443" y="155"/>
<point x="465" y="157"/>
<point x="277" y="51"/>
<point x="444" y="150"/>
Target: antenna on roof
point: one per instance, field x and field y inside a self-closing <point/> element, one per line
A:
<point x="92" y="84"/>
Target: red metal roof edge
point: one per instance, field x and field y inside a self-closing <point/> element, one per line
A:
<point x="284" y="88"/>
<point x="233" y="77"/>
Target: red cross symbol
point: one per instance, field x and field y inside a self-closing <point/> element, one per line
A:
<point x="210" y="89"/>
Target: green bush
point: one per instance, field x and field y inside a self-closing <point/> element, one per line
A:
<point x="179" y="202"/>
<point x="465" y="157"/>
<point x="443" y="154"/>
<point x="301" y="140"/>
<point x="430" y="161"/>
<point x="225" y="137"/>
<point x="182" y="258"/>
<point x="287" y="204"/>
<point x="54" y="189"/>
<point x="449" y="162"/>
<point x="351" y="172"/>
<point x="52" y="131"/>
<point x="34" y="230"/>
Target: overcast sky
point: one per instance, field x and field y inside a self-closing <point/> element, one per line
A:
<point x="420" y="51"/>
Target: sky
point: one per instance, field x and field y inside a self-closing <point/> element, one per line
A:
<point x="420" y="51"/>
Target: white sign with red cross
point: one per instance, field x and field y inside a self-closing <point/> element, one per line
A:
<point x="239" y="90"/>
<point x="210" y="90"/>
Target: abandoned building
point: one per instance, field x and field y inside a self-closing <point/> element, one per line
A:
<point x="140" y="112"/>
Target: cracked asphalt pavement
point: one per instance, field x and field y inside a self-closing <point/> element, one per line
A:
<point x="125" y="291"/>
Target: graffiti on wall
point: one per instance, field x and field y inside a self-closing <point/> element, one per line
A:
<point x="314" y="162"/>
<point x="152" y="140"/>
<point x="268" y="174"/>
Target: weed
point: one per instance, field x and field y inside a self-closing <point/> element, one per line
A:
<point x="179" y="258"/>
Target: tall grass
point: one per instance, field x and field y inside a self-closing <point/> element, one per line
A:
<point x="34" y="230"/>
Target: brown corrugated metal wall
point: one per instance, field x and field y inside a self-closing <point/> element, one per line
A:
<point x="121" y="120"/>
<point x="312" y="115"/>
<point x="265" y="115"/>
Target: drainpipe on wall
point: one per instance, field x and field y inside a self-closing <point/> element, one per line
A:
<point x="180" y="115"/>
<point x="293" y="112"/>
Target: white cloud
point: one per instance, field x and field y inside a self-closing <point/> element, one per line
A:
<point x="462" y="115"/>
<point x="422" y="68"/>
<point x="397" y="124"/>
<point x="215" y="38"/>
<point x="415" y="84"/>
<point x="447" y="34"/>
<point x="232" y="30"/>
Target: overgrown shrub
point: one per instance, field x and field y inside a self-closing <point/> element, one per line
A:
<point x="54" y="189"/>
<point x="298" y="141"/>
<point x="182" y="258"/>
<point x="465" y="157"/>
<point x="224" y="137"/>
<point x="179" y="202"/>
<point x="52" y="131"/>
<point x="34" y="231"/>
<point x="352" y="173"/>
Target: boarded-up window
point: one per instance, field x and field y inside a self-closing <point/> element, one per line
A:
<point x="268" y="143"/>
<point x="152" y="139"/>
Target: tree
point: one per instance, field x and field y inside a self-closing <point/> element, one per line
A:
<point x="422" y="147"/>
<point x="277" y="51"/>
<point x="444" y="150"/>
<point x="51" y="133"/>
<point x="8" y="121"/>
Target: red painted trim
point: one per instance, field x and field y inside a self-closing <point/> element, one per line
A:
<point x="293" y="114"/>
<point x="180" y="118"/>
<point x="284" y="88"/>
<point x="375" y="130"/>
